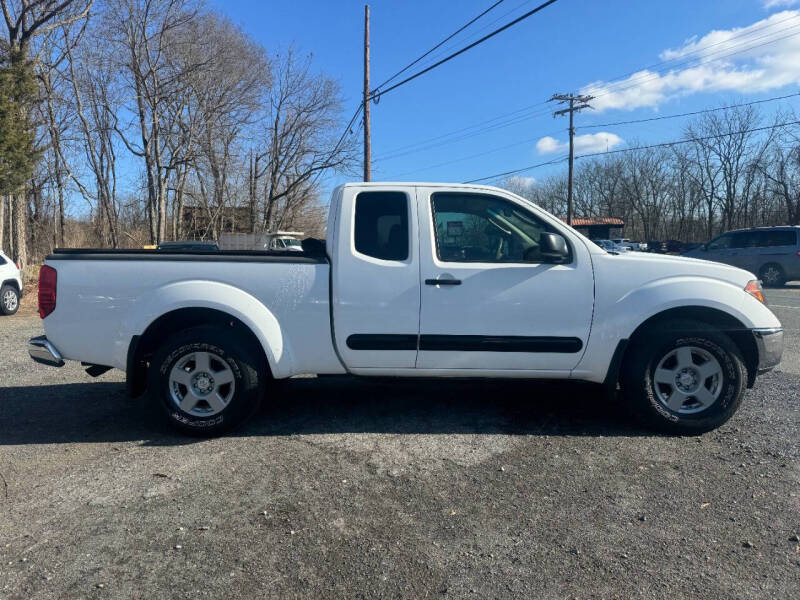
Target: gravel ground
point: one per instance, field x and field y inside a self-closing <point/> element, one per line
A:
<point x="384" y="489"/>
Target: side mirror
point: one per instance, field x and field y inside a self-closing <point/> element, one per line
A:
<point x="553" y="247"/>
<point x="704" y="247"/>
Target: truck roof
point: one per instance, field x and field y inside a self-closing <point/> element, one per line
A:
<point x="420" y="184"/>
<point x="764" y="228"/>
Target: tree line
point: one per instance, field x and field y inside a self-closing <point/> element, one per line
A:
<point x="731" y="169"/>
<point x="130" y="112"/>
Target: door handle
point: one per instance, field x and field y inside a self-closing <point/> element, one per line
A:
<point x="442" y="282"/>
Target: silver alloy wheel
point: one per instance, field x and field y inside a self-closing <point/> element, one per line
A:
<point x="201" y="384"/>
<point x="688" y="380"/>
<point x="10" y="300"/>
<point x="771" y="275"/>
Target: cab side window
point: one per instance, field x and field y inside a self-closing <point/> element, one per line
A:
<point x="381" y="225"/>
<point x="483" y="228"/>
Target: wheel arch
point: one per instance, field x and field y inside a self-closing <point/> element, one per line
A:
<point x="142" y="347"/>
<point x="718" y="319"/>
<point x="13" y="283"/>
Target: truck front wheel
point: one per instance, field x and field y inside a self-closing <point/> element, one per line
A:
<point x="205" y="380"/>
<point x="685" y="377"/>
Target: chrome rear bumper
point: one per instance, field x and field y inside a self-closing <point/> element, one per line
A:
<point x="770" y="347"/>
<point x="42" y="351"/>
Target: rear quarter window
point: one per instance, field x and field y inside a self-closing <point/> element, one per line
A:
<point x="778" y="237"/>
<point x="381" y="225"/>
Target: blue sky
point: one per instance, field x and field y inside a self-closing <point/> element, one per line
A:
<point x="566" y="47"/>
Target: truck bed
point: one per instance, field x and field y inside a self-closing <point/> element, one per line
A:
<point x="106" y="297"/>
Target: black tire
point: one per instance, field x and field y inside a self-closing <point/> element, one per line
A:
<point x="772" y="275"/>
<point x="642" y="358"/>
<point x="9" y="300"/>
<point x="229" y="354"/>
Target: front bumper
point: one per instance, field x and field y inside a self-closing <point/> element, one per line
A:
<point x="770" y="347"/>
<point x="42" y="351"/>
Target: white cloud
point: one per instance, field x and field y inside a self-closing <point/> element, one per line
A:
<point x="769" y="4"/>
<point x="587" y="143"/>
<point x="767" y="56"/>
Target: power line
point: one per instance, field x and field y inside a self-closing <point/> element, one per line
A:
<point x="378" y="93"/>
<point x="649" y="76"/>
<point x="689" y="140"/>
<point x="628" y="84"/>
<point x="623" y="78"/>
<point x="471" y="156"/>
<point x="690" y="114"/>
<point x="515" y="171"/>
<point x="341" y="139"/>
<point x="364" y="102"/>
<point x="491" y="124"/>
<point x="635" y="148"/>
<point x="425" y="146"/>
<point x="617" y="123"/>
<point x="440" y="44"/>
<point x="428" y="144"/>
<point x="473" y="35"/>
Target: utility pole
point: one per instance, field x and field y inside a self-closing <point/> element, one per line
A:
<point x="576" y="103"/>
<point x="367" y="141"/>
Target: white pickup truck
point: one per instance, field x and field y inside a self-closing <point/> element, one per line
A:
<point x="415" y="279"/>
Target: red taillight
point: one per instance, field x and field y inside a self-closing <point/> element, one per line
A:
<point x="47" y="290"/>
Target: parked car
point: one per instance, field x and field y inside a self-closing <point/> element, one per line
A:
<point x="675" y="247"/>
<point x="771" y="252"/>
<point x="610" y="246"/>
<point x="633" y="246"/>
<point x="10" y="286"/>
<point x="284" y="243"/>
<point x="431" y="280"/>
<point x="188" y="246"/>
<point x="655" y="246"/>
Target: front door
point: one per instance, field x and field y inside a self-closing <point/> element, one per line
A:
<point x="489" y="302"/>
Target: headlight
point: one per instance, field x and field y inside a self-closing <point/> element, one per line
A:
<point x="754" y="289"/>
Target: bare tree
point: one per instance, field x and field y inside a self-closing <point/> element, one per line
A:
<point x="644" y="184"/>
<point x="782" y="172"/>
<point x="726" y="149"/>
<point x="93" y="79"/>
<point x="25" y="20"/>
<point x="301" y="127"/>
<point x="227" y="95"/>
<point x="57" y="112"/>
<point x="144" y="34"/>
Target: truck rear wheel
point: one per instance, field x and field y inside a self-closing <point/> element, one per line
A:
<point x="205" y="380"/>
<point x="684" y="378"/>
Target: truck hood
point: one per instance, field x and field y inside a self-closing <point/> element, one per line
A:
<point x="661" y="265"/>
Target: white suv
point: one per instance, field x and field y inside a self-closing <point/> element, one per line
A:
<point x="10" y="286"/>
